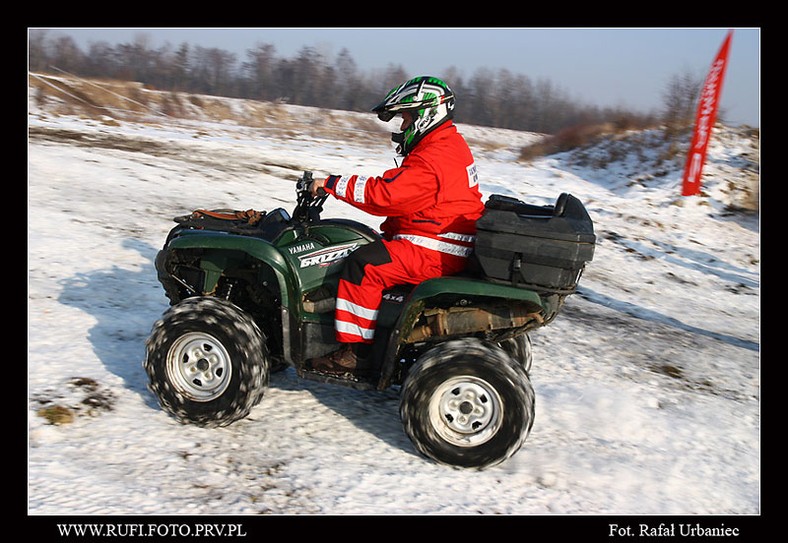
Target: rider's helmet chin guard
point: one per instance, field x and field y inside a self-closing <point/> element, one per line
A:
<point x="429" y="99"/>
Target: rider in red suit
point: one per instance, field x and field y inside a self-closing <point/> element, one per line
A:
<point x="431" y="202"/>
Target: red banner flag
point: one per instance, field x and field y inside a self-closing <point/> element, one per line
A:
<point x="704" y="120"/>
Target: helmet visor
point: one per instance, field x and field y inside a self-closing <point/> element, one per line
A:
<point x="386" y="116"/>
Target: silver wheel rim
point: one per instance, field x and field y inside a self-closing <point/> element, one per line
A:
<point x="466" y="411"/>
<point x="198" y="366"/>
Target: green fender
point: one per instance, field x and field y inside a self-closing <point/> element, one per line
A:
<point x="213" y="264"/>
<point x="443" y="291"/>
<point x="464" y="286"/>
<point x="454" y="292"/>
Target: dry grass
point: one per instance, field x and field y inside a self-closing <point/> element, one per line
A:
<point x="113" y="101"/>
<point x="77" y="396"/>
<point x="568" y="139"/>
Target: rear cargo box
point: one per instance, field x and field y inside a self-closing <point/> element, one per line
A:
<point x="538" y="247"/>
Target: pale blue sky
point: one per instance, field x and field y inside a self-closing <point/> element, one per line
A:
<point x="627" y="67"/>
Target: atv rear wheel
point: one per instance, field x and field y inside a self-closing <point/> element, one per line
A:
<point x="207" y="362"/>
<point x="467" y="403"/>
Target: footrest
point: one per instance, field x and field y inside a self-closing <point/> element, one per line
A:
<point x="347" y="379"/>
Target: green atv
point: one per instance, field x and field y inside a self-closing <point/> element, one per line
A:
<point x="252" y="292"/>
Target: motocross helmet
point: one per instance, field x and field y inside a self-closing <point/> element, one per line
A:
<point x="429" y="99"/>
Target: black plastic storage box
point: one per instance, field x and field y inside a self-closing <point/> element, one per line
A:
<point x="537" y="247"/>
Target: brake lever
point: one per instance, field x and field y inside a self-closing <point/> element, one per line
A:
<point x="304" y="182"/>
<point x="305" y="185"/>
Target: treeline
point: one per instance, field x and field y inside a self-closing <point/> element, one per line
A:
<point x="496" y="98"/>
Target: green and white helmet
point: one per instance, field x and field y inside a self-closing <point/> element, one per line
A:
<point x="431" y="102"/>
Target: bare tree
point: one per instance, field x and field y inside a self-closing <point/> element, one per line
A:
<point x="214" y="70"/>
<point x="180" y="68"/>
<point x="679" y="101"/>
<point x="66" y="55"/>
<point x="259" y="72"/>
<point x="38" y="57"/>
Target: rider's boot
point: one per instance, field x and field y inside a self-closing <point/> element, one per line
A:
<point x="352" y="359"/>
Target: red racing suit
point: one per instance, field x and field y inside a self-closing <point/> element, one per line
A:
<point x="432" y="202"/>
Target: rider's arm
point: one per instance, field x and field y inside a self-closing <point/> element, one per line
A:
<point x="399" y="191"/>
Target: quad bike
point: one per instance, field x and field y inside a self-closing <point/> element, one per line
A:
<point x="252" y="292"/>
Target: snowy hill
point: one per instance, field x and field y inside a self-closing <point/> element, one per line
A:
<point x="647" y="384"/>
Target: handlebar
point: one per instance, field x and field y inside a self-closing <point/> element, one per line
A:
<point x="308" y="207"/>
<point x="304" y="184"/>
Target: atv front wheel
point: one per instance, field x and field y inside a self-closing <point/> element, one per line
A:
<point x="519" y="348"/>
<point x="467" y="403"/>
<point x="207" y="362"/>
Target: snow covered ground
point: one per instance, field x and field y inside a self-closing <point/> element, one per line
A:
<point x="647" y="384"/>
